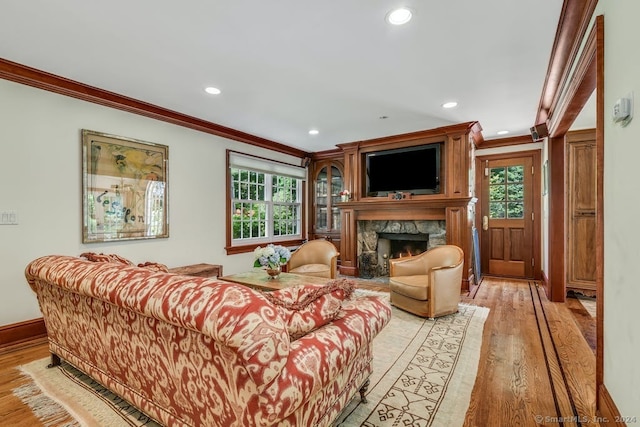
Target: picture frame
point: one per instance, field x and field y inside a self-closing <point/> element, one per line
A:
<point x="125" y="186"/>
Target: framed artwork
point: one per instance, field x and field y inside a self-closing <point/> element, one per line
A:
<point x="124" y="188"/>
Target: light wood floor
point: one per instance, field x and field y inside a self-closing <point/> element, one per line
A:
<point x="536" y="368"/>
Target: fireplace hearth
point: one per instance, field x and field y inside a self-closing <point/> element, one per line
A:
<point x="379" y="241"/>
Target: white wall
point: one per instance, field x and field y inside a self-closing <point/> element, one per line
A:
<point x="621" y="189"/>
<point x="41" y="178"/>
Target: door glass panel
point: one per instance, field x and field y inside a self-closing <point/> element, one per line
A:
<point x="515" y="210"/>
<point x="506" y="192"/>
<point x="496" y="210"/>
<point x="515" y="173"/>
<point x="497" y="176"/>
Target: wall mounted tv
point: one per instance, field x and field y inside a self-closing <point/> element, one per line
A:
<point x="413" y="170"/>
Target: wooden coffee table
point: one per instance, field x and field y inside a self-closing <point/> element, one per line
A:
<point x="259" y="279"/>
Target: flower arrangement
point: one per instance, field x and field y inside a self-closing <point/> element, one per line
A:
<point x="271" y="256"/>
<point x="345" y="195"/>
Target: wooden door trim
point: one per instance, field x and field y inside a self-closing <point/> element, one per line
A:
<point x="536" y="187"/>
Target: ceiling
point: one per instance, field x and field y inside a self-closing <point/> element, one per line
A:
<point x="287" y="66"/>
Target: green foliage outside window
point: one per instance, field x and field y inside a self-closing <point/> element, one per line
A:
<point x="257" y="197"/>
<point x="506" y="192"/>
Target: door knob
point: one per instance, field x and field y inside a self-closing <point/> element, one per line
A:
<point x="485" y="223"/>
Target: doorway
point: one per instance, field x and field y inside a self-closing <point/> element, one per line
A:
<point x="508" y="221"/>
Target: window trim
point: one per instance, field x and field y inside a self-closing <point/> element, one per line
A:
<point x="272" y="167"/>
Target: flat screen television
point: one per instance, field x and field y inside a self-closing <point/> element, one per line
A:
<point x="413" y="170"/>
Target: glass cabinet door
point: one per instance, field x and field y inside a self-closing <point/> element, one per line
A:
<point x="328" y="186"/>
<point x="321" y="199"/>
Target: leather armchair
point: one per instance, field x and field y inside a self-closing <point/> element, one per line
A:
<point x="429" y="284"/>
<point x="315" y="258"/>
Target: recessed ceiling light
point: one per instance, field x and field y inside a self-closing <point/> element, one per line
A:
<point x="314" y="132"/>
<point x="399" y="16"/>
<point x="212" y="90"/>
<point x="449" y="104"/>
<point x="503" y="132"/>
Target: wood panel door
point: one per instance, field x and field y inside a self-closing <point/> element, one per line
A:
<point x="506" y="223"/>
<point x="581" y="210"/>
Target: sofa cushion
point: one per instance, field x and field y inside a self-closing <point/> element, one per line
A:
<point x="308" y="307"/>
<point x="416" y="287"/>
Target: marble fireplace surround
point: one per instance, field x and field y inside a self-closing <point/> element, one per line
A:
<point x="373" y="241"/>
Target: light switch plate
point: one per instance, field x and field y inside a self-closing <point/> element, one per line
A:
<point x="8" y="217"/>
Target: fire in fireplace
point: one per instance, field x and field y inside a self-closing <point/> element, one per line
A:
<point x="401" y="245"/>
<point x="379" y="241"/>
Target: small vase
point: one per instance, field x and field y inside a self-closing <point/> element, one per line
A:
<point x="344" y="198"/>
<point x="274" y="272"/>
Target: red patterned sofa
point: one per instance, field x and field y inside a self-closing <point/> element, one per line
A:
<point x="192" y="351"/>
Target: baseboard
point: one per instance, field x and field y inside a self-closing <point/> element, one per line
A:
<point x="545" y="284"/>
<point x="607" y="410"/>
<point x="23" y="331"/>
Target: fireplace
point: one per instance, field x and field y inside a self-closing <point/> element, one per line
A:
<point x="379" y="241"/>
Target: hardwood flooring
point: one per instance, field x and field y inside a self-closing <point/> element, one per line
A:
<point x="536" y="367"/>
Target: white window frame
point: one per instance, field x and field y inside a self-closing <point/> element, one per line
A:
<point x="270" y="168"/>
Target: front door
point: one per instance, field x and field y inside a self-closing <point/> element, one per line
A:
<point x="506" y="222"/>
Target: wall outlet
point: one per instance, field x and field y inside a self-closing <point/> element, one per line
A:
<point x="8" y="217"/>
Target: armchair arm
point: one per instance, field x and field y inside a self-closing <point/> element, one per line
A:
<point x="445" y="285"/>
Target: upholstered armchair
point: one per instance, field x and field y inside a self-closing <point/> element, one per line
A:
<point x="315" y="258"/>
<point x="428" y="284"/>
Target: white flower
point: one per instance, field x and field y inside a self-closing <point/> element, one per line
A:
<point x="271" y="256"/>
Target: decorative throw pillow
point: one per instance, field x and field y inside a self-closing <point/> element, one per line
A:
<point x="94" y="257"/>
<point x="308" y="307"/>
<point x="155" y="266"/>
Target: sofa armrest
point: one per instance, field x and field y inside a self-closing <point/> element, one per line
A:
<point x="317" y="358"/>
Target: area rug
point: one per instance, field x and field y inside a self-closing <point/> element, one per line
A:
<point x="424" y="371"/>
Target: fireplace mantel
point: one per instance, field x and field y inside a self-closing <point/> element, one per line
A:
<point x="387" y="209"/>
<point x="456" y="212"/>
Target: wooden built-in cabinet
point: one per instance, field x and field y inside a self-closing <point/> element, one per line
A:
<point x="455" y="203"/>
<point x="581" y="211"/>
<point x="327" y="181"/>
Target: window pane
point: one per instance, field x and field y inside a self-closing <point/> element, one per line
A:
<point x="249" y="220"/>
<point x="515" y="192"/>
<point x="515" y="173"/>
<point x="286" y="220"/>
<point x="515" y="210"/>
<point x="496" y="193"/>
<point x="496" y="210"/>
<point x="497" y="176"/>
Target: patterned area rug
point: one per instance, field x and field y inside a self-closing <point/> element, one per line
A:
<point x="424" y="371"/>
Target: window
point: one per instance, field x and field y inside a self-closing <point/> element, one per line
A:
<point x="506" y="192"/>
<point x="266" y="200"/>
